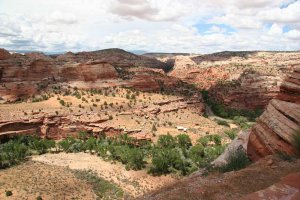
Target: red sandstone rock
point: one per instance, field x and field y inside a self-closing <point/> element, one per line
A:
<point x="25" y="75"/>
<point x="274" y="129"/>
<point x="287" y="188"/>
<point x="4" y="54"/>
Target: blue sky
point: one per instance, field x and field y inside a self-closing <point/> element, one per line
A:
<point x="195" y="26"/>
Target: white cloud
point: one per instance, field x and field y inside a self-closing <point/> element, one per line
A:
<point x="151" y="25"/>
<point x="61" y="18"/>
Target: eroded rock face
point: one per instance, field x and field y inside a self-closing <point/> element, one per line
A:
<point x="252" y="90"/>
<point x="240" y="80"/>
<point x="27" y="75"/>
<point x="274" y="129"/>
<point x="53" y="126"/>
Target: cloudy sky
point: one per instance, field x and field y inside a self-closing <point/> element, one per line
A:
<point x="195" y="26"/>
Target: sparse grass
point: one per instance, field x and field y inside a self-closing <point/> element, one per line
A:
<point x="232" y="133"/>
<point x="103" y="189"/>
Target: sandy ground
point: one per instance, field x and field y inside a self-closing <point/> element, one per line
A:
<point x="31" y="179"/>
<point x="135" y="183"/>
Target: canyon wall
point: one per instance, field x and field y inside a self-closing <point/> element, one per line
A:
<point x="240" y="80"/>
<point x="26" y="75"/>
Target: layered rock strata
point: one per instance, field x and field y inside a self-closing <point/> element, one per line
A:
<point x="274" y="130"/>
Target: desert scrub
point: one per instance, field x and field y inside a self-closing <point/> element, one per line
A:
<point x="237" y="160"/>
<point x="222" y="123"/>
<point x="103" y="189"/>
<point x="231" y="133"/>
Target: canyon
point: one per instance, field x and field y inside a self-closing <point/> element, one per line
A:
<point x="113" y="92"/>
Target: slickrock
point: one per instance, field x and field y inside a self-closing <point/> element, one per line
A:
<point x="274" y="129"/>
<point x="287" y="188"/>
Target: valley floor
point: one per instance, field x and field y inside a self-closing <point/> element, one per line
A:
<point x="53" y="176"/>
<point x="134" y="183"/>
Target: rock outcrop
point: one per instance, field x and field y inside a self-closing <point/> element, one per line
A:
<point x="274" y="130"/>
<point x="53" y="126"/>
<point x="252" y="90"/>
<point x="4" y="54"/>
<point x="287" y="188"/>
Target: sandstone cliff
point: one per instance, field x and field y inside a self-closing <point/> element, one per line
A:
<point x="274" y="129"/>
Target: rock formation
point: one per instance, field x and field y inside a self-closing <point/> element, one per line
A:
<point x="252" y="90"/>
<point x="28" y="74"/>
<point x="53" y="126"/>
<point x="241" y="80"/>
<point x="287" y="188"/>
<point x="274" y="130"/>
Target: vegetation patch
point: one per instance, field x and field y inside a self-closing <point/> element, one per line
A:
<point x="237" y="160"/>
<point x="169" y="155"/>
<point x="103" y="189"/>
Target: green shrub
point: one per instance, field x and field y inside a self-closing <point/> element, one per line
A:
<point x="231" y="133"/>
<point x="236" y="161"/>
<point x="39" y="198"/>
<point x="166" y="141"/>
<point x="12" y="153"/>
<point x="241" y="121"/>
<point x="135" y="159"/>
<point x="41" y="146"/>
<point x="8" y="193"/>
<point x="196" y="154"/>
<point x="91" y="144"/>
<point x="183" y="141"/>
<point x="204" y="140"/>
<point x="66" y="144"/>
<point x="222" y="123"/>
<point x="62" y="102"/>
<point x="217" y="139"/>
